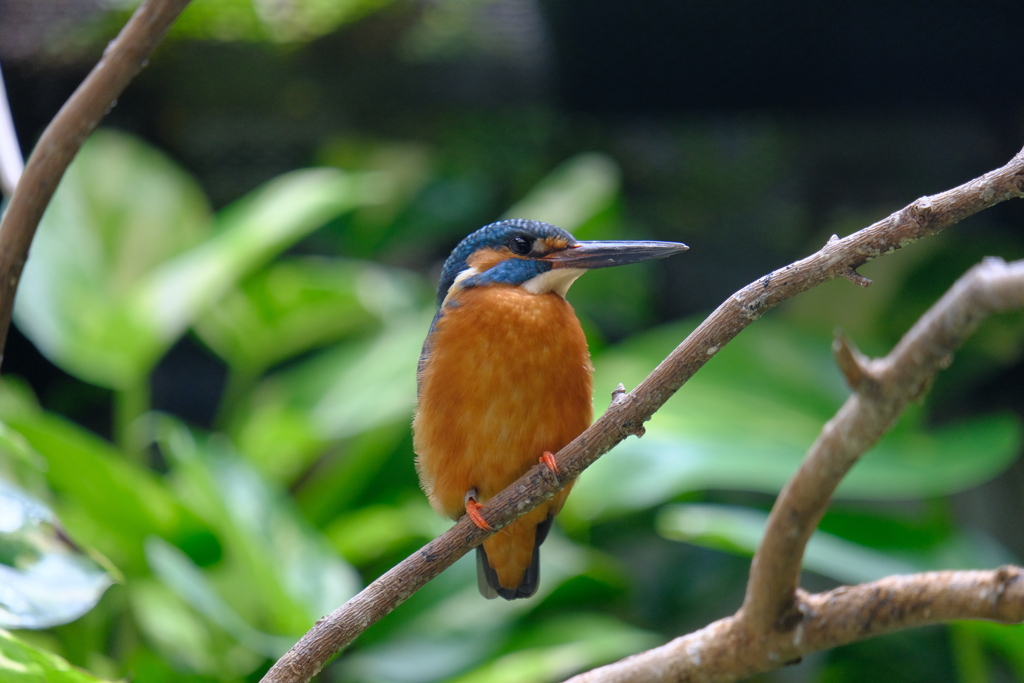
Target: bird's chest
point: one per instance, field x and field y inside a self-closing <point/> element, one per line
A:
<point x="507" y="348"/>
<point x="507" y="377"/>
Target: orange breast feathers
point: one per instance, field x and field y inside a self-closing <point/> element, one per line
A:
<point x="507" y="376"/>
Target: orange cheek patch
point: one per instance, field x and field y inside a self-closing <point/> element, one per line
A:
<point x="485" y="259"/>
<point x="548" y="245"/>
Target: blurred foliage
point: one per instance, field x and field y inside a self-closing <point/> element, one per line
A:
<point x="241" y="537"/>
<point x="23" y="663"/>
<point x="259" y="20"/>
<point x="739" y="530"/>
<point x="128" y="254"/>
<point x="201" y="554"/>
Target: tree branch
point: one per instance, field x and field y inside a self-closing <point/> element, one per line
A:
<point x="628" y="412"/>
<point x="60" y="142"/>
<point x="728" y="650"/>
<point x="882" y="389"/>
<point x="778" y="622"/>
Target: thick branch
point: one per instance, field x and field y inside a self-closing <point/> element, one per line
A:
<point x="627" y="414"/>
<point x="883" y="388"/>
<point x="61" y="140"/>
<point x="728" y="650"/>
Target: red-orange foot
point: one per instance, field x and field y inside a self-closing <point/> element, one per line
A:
<point x="473" y="511"/>
<point x="549" y="460"/>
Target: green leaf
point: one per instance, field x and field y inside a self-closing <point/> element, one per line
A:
<point x="251" y="21"/>
<point x="1005" y="639"/>
<point x="182" y="576"/>
<point x="18" y="461"/>
<point x="375" y="385"/>
<point x="369" y="532"/>
<point x="747" y="419"/>
<point x="639" y="475"/>
<point x="126" y="256"/>
<point x="277" y="571"/>
<point x="339" y="393"/>
<point x="248" y="234"/>
<point x="345" y="474"/>
<point x="121" y="209"/>
<point x="299" y="304"/>
<point x="44" y="580"/>
<point x="183" y="638"/>
<point x="739" y="530"/>
<point x="105" y="501"/>
<point x="919" y="464"/>
<point x="14" y="446"/>
<point x="24" y="663"/>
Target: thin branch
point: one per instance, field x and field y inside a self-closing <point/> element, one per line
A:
<point x="728" y="650"/>
<point x="629" y="412"/>
<point x="882" y="389"/>
<point x="60" y="142"/>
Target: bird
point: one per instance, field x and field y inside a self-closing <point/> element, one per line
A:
<point x="505" y="380"/>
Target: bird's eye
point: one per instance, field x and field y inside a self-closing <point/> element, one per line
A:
<point x="520" y="245"/>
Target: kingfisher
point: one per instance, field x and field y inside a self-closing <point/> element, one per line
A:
<point x="505" y="380"/>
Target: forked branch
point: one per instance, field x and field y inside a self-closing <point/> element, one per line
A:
<point x="626" y="416"/>
<point x="779" y="622"/>
<point x="882" y="389"/>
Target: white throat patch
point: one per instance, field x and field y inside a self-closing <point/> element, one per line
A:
<point x="457" y="284"/>
<point x="557" y="280"/>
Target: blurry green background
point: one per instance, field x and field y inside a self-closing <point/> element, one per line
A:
<point x="204" y="418"/>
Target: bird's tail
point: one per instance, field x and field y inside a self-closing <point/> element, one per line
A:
<point x="487" y="579"/>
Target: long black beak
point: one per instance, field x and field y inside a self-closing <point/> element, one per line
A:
<point x="604" y="254"/>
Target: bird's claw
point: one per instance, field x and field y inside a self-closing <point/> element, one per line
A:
<point x="473" y="511"/>
<point x="549" y="460"/>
